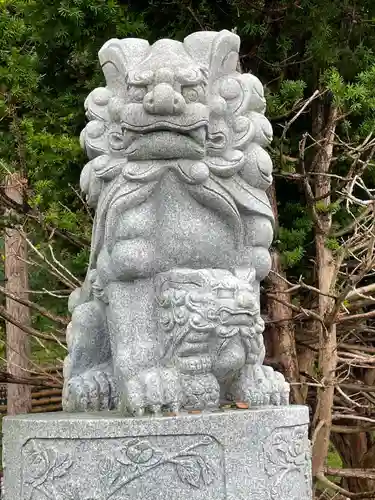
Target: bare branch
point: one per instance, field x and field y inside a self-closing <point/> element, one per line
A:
<point x="27" y="329"/>
<point x="44" y="312"/>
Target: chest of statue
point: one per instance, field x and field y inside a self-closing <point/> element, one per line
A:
<point x="181" y="231"/>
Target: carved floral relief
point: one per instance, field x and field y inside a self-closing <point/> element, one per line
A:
<point x="52" y="474"/>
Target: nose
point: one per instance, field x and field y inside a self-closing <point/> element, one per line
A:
<point x="164" y="100"/>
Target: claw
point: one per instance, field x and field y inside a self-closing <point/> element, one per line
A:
<point x="104" y="391"/>
<point x="261" y="385"/>
<point x="156" y="409"/>
<point x="139" y="412"/>
<point x="174" y="407"/>
<point x="152" y="389"/>
<point x="266" y="399"/>
<point x="91" y="391"/>
<point x="285" y="399"/>
<point x="275" y="399"/>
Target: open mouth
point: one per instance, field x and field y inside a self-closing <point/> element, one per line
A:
<point x="129" y="138"/>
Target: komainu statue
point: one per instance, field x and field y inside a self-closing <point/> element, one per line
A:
<point x="169" y="315"/>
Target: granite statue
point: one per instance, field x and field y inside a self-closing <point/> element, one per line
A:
<point x="169" y="314"/>
<point x="168" y="319"/>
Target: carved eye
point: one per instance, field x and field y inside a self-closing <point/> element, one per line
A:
<point x="224" y="293"/>
<point x="224" y="316"/>
<point x="136" y="94"/>
<point x="230" y="89"/>
<point x="193" y="94"/>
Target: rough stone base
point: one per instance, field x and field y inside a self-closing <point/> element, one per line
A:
<point x="258" y="454"/>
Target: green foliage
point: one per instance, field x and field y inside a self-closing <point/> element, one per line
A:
<point x="291" y="243"/>
<point x="294" y="235"/>
<point x="329" y="208"/>
<point x="290" y="258"/>
<point x="333" y="244"/>
<point x="48" y="65"/>
<point x="282" y="102"/>
<point x="354" y="97"/>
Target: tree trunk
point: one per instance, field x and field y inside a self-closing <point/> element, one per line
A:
<point x="327" y="361"/>
<point x="357" y="451"/>
<point x="18" y="348"/>
<point x="281" y="329"/>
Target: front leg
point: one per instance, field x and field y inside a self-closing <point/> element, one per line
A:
<point x="257" y="384"/>
<point x="88" y="376"/>
<point x="260" y="385"/>
<point x="152" y="389"/>
<point x="142" y="381"/>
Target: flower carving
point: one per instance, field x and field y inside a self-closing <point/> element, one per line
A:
<point x="139" y="457"/>
<point x="38" y="464"/>
<point x="138" y="452"/>
<point x="44" y="465"/>
<point x="287" y="453"/>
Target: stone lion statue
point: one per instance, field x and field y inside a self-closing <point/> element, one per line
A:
<point x="169" y="315"/>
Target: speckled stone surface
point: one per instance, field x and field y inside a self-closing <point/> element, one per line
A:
<point x="169" y="313"/>
<point x="256" y="454"/>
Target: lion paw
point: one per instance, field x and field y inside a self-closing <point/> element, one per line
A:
<point x="260" y="385"/>
<point x="93" y="390"/>
<point x="153" y="390"/>
<point x="279" y="389"/>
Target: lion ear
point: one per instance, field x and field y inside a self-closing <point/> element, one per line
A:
<point x="224" y="52"/>
<point x="199" y="46"/>
<point x="116" y="56"/>
<point x="216" y="51"/>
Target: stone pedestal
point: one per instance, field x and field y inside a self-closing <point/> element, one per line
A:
<point x="256" y="454"/>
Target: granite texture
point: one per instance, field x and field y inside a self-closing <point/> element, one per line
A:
<point x="169" y="313"/>
<point x="259" y="454"/>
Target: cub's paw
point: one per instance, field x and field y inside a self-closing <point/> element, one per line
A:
<point x="93" y="390"/>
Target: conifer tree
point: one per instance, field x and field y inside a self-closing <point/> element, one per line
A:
<point x="317" y="62"/>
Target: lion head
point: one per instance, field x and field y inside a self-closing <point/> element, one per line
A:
<point x="179" y="103"/>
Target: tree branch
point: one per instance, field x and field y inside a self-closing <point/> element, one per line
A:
<point x="27" y="329"/>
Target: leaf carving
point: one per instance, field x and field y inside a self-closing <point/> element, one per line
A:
<point x="71" y="493"/>
<point x="189" y="471"/>
<point x="208" y="472"/>
<point x="62" y="465"/>
<point x="106" y="465"/>
<point x="116" y="469"/>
